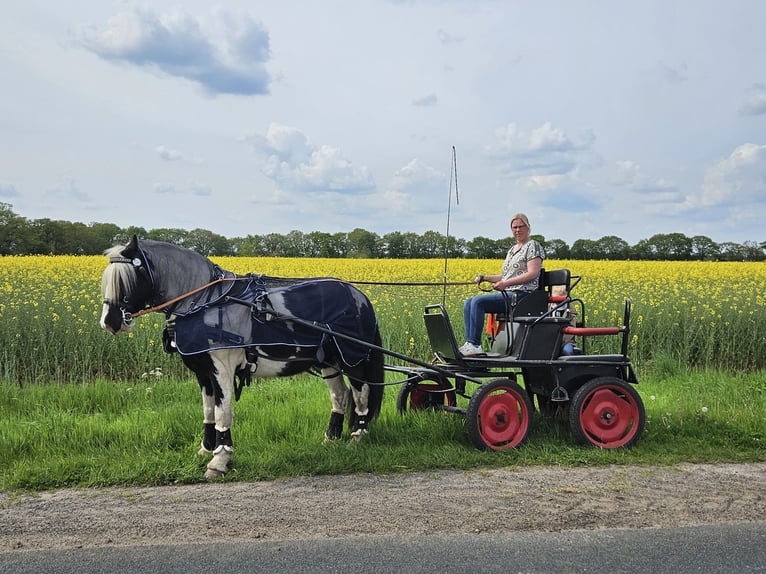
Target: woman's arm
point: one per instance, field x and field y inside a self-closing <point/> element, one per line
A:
<point x="490" y="278"/>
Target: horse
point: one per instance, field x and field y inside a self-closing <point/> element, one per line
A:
<point x="228" y="328"/>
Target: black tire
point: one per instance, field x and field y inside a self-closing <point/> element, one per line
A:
<point x="607" y="412"/>
<point x="499" y="415"/>
<point x="425" y="395"/>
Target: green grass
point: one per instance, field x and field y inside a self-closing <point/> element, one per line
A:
<point x="147" y="432"/>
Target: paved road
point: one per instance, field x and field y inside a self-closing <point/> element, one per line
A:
<point x="708" y="549"/>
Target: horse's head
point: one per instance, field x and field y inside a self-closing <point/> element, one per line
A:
<point x="127" y="286"/>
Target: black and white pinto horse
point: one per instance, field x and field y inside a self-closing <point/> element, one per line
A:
<point x="228" y="328"/>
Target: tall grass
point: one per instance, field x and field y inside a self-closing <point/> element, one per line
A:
<point x="147" y="433"/>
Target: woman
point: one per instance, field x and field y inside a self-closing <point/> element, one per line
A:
<point x="520" y="275"/>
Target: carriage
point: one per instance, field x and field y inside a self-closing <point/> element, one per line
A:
<point x="538" y="361"/>
<point x="229" y="328"/>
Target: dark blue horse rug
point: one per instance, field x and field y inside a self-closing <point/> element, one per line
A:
<point x="266" y="318"/>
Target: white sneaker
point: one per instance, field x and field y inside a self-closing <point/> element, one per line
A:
<point x="469" y="349"/>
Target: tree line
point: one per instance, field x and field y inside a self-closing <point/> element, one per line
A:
<point x="22" y="236"/>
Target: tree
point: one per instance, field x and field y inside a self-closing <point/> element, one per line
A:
<point x="13" y="231"/>
<point x="583" y="249"/>
<point x="484" y="248"/>
<point x="704" y="248"/>
<point x="362" y="243"/>
<point x="753" y="251"/>
<point x="431" y="245"/>
<point x="294" y="244"/>
<point x="393" y="245"/>
<point x="207" y="243"/>
<point x="671" y="246"/>
<point x="731" y="251"/>
<point x="556" y="249"/>
<point x="105" y="235"/>
<point x="169" y="235"/>
<point x="48" y="237"/>
<point x="610" y="247"/>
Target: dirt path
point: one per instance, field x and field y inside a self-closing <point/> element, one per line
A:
<point x="536" y="498"/>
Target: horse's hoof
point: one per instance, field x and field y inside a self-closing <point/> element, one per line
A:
<point x="330" y="438"/>
<point x="212" y="473"/>
<point x="204" y="452"/>
<point x="358" y="435"/>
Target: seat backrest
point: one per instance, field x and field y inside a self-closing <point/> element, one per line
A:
<point x="440" y="334"/>
<point x="556" y="277"/>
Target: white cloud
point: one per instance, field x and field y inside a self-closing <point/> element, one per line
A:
<point x="426" y="101"/>
<point x="68" y="191"/>
<point x="7" y="190"/>
<point x="192" y="188"/>
<point x="755" y="105"/>
<point x="294" y="163"/>
<point x="740" y="178"/>
<point x="538" y="159"/>
<point x="414" y="188"/>
<point x="168" y="154"/>
<point x="224" y="54"/>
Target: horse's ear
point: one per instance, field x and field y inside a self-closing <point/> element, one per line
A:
<point x="133" y="242"/>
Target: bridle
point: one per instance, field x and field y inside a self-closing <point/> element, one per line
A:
<point x="127" y="316"/>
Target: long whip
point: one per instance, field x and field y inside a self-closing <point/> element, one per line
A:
<point x="453" y="172"/>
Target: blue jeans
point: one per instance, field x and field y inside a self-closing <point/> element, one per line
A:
<point x="475" y="308"/>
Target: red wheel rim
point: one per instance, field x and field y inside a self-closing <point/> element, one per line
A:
<point x="503" y="420"/>
<point x="609" y="416"/>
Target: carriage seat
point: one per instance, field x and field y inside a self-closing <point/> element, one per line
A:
<point x="512" y="332"/>
<point x="536" y="302"/>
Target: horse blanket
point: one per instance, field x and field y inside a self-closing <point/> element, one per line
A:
<point x="265" y="320"/>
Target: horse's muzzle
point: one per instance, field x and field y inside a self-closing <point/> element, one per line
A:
<point x="115" y="319"/>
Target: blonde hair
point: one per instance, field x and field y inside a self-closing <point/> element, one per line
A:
<point x="523" y="218"/>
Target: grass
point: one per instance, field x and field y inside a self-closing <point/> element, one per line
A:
<point x="147" y="432"/>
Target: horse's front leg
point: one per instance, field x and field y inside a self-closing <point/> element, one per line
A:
<point x="202" y="367"/>
<point x="337" y="388"/>
<point x="361" y="412"/>
<point x="225" y="363"/>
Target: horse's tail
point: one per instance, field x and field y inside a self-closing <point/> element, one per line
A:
<point x="374" y="373"/>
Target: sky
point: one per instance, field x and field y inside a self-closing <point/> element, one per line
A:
<point x="595" y="118"/>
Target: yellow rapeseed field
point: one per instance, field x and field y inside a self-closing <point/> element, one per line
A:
<point x="700" y="313"/>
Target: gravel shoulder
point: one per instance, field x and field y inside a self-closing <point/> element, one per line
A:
<point x="444" y="502"/>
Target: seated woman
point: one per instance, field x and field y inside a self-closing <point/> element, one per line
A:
<point x="520" y="275"/>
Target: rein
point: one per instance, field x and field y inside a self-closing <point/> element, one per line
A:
<point x="183" y="296"/>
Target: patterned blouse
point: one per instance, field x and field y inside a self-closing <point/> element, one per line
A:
<point x="516" y="264"/>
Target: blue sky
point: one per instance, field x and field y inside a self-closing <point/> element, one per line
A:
<point x="595" y="118"/>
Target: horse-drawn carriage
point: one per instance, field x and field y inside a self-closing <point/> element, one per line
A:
<point x="534" y="344"/>
<point x="229" y="328"/>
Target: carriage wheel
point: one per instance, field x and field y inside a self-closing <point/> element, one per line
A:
<point x="608" y="413"/>
<point x="499" y="415"/>
<point x="425" y="395"/>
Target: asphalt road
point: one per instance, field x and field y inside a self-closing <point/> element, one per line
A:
<point x="739" y="548"/>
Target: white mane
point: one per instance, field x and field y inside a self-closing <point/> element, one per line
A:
<point x="118" y="278"/>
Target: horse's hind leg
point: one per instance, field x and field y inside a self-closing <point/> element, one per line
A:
<point x="337" y="388"/>
<point x="361" y="412"/>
